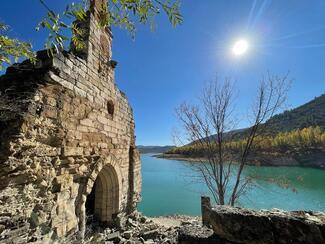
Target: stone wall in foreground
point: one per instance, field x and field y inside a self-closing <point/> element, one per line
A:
<point x="240" y="225"/>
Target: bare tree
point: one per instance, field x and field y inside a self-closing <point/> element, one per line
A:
<point x="207" y="127"/>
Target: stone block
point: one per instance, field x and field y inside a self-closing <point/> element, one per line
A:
<point x="87" y="122"/>
<point x="72" y="151"/>
<point x="82" y="128"/>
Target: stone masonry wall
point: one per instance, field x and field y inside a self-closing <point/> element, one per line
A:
<point x="62" y="122"/>
<point x="239" y="225"/>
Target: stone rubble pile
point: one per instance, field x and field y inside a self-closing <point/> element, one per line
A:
<point x="141" y="229"/>
<point x="137" y="229"/>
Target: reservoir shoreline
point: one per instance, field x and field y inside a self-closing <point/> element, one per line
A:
<point x="258" y="161"/>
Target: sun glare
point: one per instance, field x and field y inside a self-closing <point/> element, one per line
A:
<point x="240" y="47"/>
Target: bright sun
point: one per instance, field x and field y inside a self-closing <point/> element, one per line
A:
<point x="240" y="47"/>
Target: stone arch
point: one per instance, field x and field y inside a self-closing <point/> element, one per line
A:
<point x="105" y="195"/>
<point x="106" y="177"/>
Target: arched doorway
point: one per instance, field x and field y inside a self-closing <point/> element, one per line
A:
<point x="103" y="200"/>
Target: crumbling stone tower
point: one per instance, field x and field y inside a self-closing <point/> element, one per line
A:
<point x="67" y="145"/>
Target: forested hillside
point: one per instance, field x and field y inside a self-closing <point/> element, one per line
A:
<point x="307" y="115"/>
<point x="298" y="134"/>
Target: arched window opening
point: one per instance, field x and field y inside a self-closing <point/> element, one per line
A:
<point x="110" y="108"/>
<point x="102" y="202"/>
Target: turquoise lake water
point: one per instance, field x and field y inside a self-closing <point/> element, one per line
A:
<point x="169" y="188"/>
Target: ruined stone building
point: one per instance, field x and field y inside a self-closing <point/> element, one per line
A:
<point x="67" y="147"/>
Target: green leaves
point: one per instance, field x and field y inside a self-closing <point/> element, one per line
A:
<point x="173" y="13"/>
<point x="12" y="49"/>
<point x="76" y="11"/>
<point x="55" y="40"/>
<point x="122" y="13"/>
<point x="126" y="13"/>
<point x="57" y="27"/>
<point x="77" y="37"/>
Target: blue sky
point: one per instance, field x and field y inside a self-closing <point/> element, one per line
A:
<point x="159" y="70"/>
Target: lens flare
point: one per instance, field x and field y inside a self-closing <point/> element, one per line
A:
<point x="240" y="47"/>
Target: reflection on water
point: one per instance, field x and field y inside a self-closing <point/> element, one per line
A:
<point x="168" y="187"/>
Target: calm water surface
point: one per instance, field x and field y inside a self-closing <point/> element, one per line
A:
<point x="168" y="188"/>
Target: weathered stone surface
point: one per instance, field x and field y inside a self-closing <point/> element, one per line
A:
<point x="66" y="131"/>
<point x="127" y="234"/>
<point x="277" y="226"/>
<point x="192" y="234"/>
<point x="151" y="234"/>
<point x="115" y="236"/>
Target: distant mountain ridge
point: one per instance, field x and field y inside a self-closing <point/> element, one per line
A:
<point x="154" y="149"/>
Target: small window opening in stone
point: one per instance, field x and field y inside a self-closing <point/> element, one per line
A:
<point x="110" y="107"/>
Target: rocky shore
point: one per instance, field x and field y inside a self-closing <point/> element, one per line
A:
<point x="138" y="229"/>
<point x="315" y="160"/>
<point x="179" y="157"/>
